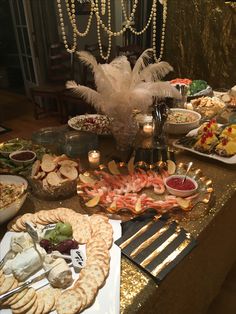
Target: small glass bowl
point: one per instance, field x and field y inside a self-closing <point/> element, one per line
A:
<point x="75" y="143"/>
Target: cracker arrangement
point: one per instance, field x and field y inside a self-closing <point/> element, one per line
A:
<point x="54" y="170"/>
<point x="94" y="231"/>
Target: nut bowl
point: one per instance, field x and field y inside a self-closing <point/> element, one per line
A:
<point x="11" y="203"/>
<point x="181" y="121"/>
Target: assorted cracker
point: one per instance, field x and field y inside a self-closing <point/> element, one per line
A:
<point x="94" y="231"/>
<point x="53" y="170"/>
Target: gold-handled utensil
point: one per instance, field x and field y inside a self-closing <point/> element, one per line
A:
<point x="158" y="250"/>
<point x="171" y="257"/>
<point x="148" y="242"/>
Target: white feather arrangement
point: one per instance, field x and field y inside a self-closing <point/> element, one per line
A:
<point x="120" y="90"/>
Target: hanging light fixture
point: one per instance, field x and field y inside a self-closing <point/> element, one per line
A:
<point x="99" y="8"/>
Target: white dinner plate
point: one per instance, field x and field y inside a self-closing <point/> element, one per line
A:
<point x="108" y="299"/>
<point x="100" y="124"/>
<point x="226" y="160"/>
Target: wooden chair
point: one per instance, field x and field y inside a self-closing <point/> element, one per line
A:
<point x="46" y="97"/>
<point x="72" y="105"/>
<point x="132" y="52"/>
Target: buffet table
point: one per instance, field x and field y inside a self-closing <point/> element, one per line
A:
<point x="194" y="282"/>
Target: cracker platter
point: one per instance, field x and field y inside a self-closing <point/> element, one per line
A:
<point x="88" y="291"/>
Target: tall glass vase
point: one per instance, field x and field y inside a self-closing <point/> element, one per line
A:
<point x="124" y="132"/>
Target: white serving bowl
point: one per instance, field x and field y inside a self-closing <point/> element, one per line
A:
<point x="12" y="209"/>
<point x="23" y="161"/>
<point x="183" y="128"/>
<point x="177" y="192"/>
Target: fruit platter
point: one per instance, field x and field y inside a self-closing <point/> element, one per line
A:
<point x="72" y="267"/>
<point x="194" y="88"/>
<point x="94" y="123"/>
<point x="124" y="190"/>
<point x="212" y="140"/>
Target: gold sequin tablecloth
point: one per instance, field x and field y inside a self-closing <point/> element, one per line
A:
<point x="193" y="283"/>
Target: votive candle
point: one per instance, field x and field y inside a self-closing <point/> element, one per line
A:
<point x="148" y="128"/>
<point x="94" y="158"/>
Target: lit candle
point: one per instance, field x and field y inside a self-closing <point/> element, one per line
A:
<point x="94" y="158"/>
<point x="148" y="128"/>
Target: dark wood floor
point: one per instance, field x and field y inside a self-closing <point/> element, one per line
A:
<point x="22" y="119"/>
<point x="16" y="113"/>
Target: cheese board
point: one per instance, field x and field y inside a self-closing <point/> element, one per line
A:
<point x="109" y="291"/>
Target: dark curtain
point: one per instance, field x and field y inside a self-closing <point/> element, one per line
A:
<point x="141" y="18"/>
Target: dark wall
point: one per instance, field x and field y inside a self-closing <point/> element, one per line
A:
<point x="200" y="40"/>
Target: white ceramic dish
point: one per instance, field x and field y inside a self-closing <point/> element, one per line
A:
<point x="99" y="124"/>
<point x="6" y="153"/>
<point x="177" y="192"/>
<point x="12" y="209"/>
<point x="108" y="298"/>
<point x="22" y="162"/>
<point x="183" y="128"/>
<point x="226" y="160"/>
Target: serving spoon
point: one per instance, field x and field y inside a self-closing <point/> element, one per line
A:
<point x="189" y="167"/>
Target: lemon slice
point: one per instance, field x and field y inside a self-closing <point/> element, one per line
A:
<point x="131" y="165"/>
<point x="112" y="166"/>
<point x="94" y="201"/>
<point x="171" y="167"/>
<point x="183" y="203"/>
<point x="86" y="179"/>
<point x="112" y="208"/>
<point x="138" y="206"/>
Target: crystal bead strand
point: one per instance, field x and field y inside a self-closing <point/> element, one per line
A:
<point x="72" y="17"/>
<point x="163" y="31"/>
<point x="124" y="28"/>
<point x="138" y="33"/>
<point x="61" y="18"/>
<point x="99" y="34"/>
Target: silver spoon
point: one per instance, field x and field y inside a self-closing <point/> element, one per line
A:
<point x="189" y="167"/>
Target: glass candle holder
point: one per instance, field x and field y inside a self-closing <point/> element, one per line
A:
<point x="148" y="129"/>
<point x="94" y="158"/>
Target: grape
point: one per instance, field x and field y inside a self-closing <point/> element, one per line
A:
<point x="47" y="245"/>
<point x="60" y="238"/>
<point x="64" y="229"/>
<point x="44" y="243"/>
<point x="66" y="245"/>
<point x="51" y="235"/>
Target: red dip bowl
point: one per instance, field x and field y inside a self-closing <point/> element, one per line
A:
<point x="23" y="156"/>
<point x="177" y="183"/>
<point x="177" y="187"/>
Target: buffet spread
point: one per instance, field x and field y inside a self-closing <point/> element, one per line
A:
<point x="73" y="254"/>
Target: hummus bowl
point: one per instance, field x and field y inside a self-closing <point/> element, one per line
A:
<point x="13" y="194"/>
<point x="181" y="121"/>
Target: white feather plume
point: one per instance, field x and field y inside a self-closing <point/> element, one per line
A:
<point x="155" y="72"/>
<point x="140" y="64"/>
<point x="121" y="90"/>
<point x="88" y="59"/>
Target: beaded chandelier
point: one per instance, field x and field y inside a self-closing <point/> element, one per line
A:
<point x="99" y="8"/>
